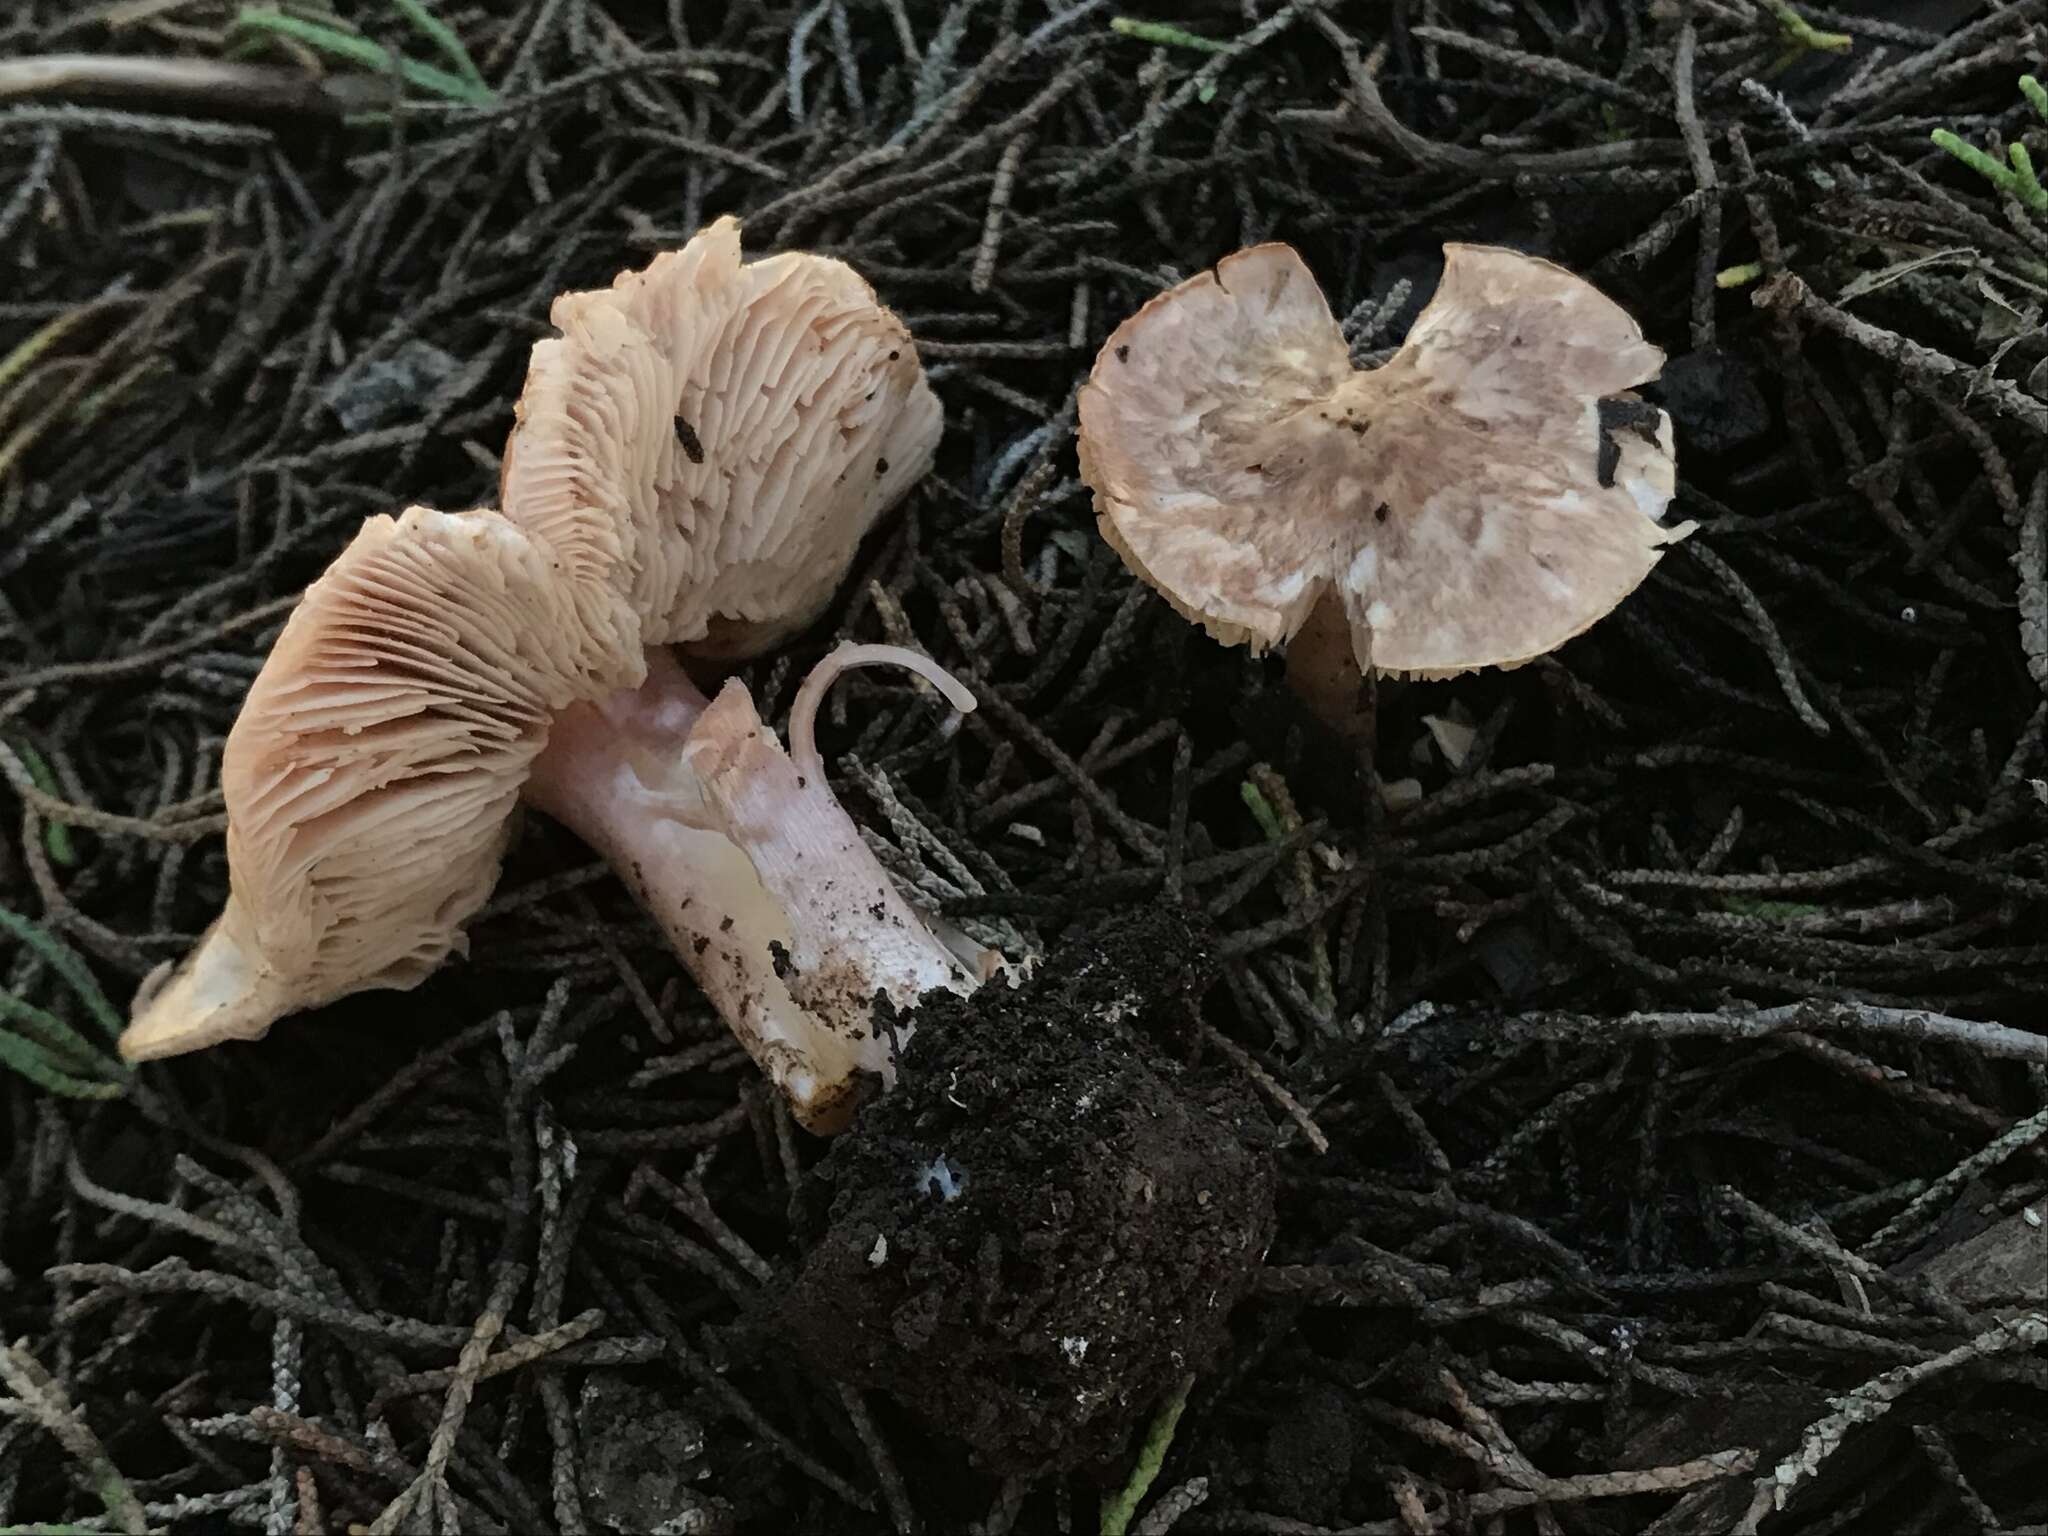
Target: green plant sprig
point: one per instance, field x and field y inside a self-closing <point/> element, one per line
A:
<point x="1164" y="35"/>
<point x="1803" y="34"/>
<point x="1118" y="1508"/>
<point x="43" y="1048"/>
<point x="2015" y="174"/>
<point x="466" y="84"/>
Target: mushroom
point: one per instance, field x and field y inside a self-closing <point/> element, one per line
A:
<point x="1488" y="493"/>
<point x="371" y="772"/>
<point x="696" y="459"/>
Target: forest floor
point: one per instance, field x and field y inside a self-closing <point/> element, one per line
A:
<point x="1660" y="1076"/>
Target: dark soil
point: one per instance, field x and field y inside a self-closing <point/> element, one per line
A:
<point x="1680" y="1052"/>
<point x="645" y="1456"/>
<point x="1047" y="1223"/>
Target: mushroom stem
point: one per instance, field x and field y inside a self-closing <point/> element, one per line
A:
<point x="1322" y="668"/>
<point x="761" y="880"/>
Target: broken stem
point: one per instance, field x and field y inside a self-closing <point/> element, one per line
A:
<point x="803" y="714"/>
<point x="761" y="880"/>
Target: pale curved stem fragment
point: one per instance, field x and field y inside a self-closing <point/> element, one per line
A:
<point x="803" y="714"/>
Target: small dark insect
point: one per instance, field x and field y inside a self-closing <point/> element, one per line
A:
<point x="1621" y="414"/>
<point x="1123" y="354"/>
<point x="881" y="467"/>
<point x="1379" y="513"/>
<point x="686" y="439"/>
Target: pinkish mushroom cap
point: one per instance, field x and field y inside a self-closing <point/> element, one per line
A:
<point x="709" y="439"/>
<point x="1489" y="493"/>
<point x="372" y="770"/>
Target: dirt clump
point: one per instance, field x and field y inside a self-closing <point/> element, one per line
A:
<point x="1048" y="1221"/>
<point x="640" y="1455"/>
<point x="1310" y="1452"/>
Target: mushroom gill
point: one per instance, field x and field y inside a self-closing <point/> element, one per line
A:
<point x="371" y="772"/>
<point x="710" y="439"/>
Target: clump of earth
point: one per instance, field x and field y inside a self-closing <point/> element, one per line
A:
<point x="1044" y="1227"/>
<point x="640" y="1456"/>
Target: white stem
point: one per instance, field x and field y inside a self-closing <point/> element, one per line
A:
<point x="762" y="881"/>
<point x="845" y="657"/>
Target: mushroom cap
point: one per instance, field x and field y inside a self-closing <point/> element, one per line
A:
<point x="372" y="772"/>
<point x="710" y="439"/>
<point x="1489" y="493"/>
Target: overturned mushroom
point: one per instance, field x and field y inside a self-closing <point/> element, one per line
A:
<point x="696" y="459"/>
<point x="1493" y="490"/>
<point x="711" y="439"/>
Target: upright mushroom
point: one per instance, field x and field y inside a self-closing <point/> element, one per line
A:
<point x="1490" y="492"/>
<point x="696" y="459"/>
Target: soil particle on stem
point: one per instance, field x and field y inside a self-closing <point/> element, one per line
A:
<point x="1048" y="1221"/>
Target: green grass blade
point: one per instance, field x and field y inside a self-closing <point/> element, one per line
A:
<point x="442" y="36"/>
<point x="65" y="962"/>
<point x="361" y="51"/>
